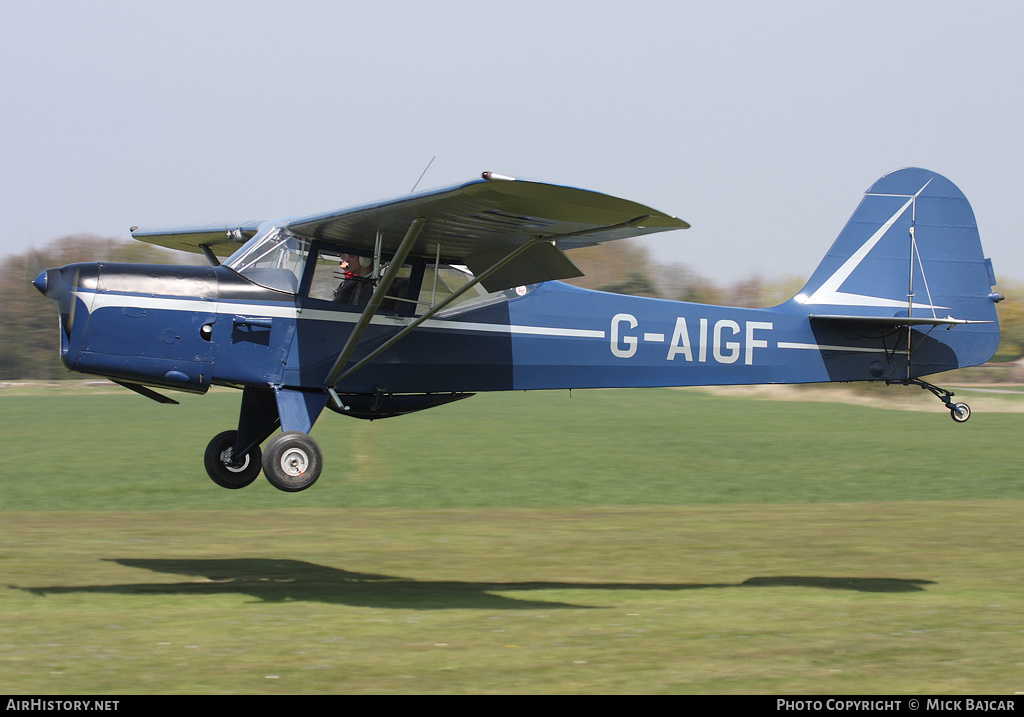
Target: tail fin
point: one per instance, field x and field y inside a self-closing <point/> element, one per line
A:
<point x="911" y="256"/>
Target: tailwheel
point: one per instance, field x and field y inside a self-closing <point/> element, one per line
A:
<point x="292" y="461"/>
<point x="960" y="412"/>
<point x="223" y="467"/>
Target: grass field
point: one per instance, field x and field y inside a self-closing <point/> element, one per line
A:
<point x="604" y="542"/>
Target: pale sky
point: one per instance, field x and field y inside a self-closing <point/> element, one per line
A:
<point x="761" y="124"/>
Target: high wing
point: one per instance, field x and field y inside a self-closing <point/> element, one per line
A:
<point x="476" y="224"/>
<point x="489" y="215"/>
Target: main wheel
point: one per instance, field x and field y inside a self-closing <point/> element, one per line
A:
<point x="292" y="461"/>
<point x="223" y="469"/>
<point x="960" y="412"/>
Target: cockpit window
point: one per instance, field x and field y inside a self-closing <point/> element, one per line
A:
<point x="274" y="258"/>
<point x="418" y="288"/>
<point x="347" y="279"/>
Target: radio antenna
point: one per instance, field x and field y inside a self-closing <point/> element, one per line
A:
<point x="424" y="172"/>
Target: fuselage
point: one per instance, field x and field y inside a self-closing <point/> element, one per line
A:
<point x="189" y="327"/>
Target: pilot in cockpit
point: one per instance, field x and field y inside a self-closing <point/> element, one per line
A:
<point x="356" y="287"/>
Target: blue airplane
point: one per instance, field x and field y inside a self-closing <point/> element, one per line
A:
<point x="394" y="307"/>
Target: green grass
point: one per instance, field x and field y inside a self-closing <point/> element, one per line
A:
<point x="611" y="541"/>
<point x="118" y="451"/>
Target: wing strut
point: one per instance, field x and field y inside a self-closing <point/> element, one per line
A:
<point x="374" y="304"/>
<point x="336" y="375"/>
<point x="440" y="307"/>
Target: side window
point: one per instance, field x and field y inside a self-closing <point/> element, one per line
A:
<point x="345" y="278"/>
<point x="441" y="281"/>
<point x="350" y="280"/>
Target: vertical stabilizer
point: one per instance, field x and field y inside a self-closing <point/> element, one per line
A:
<point x="912" y="251"/>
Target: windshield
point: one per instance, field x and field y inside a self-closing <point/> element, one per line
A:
<point x="274" y="258"/>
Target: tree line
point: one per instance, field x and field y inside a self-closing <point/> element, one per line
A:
<point x="29" y="342"/>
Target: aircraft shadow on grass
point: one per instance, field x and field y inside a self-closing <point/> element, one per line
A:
<point x="271" y="580"/>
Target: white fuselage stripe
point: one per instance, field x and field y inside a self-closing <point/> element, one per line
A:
<point x="227" y="307"/>
<point x="827" y="347"/>
<point x="240" y="308"/>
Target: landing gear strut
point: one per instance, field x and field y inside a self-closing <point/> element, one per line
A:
<point x="959" y="411"/>
<point x="292" y="460"/>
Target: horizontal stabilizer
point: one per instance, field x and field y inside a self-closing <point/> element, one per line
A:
<point x="894" y="320"/>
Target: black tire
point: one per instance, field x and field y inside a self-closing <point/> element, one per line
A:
<point x="218" y="466"/>
<point x="292" y="461"/>
<point x="960" y="412"/>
